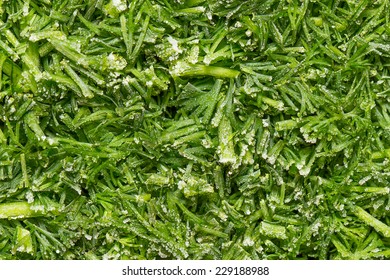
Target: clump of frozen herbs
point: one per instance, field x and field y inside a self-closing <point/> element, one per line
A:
<point x="194" y="129"/>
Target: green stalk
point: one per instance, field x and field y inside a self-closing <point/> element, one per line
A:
<point x="205" y="70"/>
<point x="371" y="221"/>
<point x="18" y="210"/>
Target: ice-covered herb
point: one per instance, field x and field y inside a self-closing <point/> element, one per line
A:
<point x="221" y="129"/>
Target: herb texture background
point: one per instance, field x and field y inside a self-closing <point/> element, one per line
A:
<point x="191" y="129"/>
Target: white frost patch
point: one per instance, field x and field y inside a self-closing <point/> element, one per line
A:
<point x="309" y="139"/>
<point x="37" y="208"/>
<point x="120" y="5"/>
<point x="238" y="24"/>
<point x="271" y="159"/>
<point x="25" y="8"/>
<point x="207" y="59"/>
<point x="116" y="62"/>
<point x="244" y="149"/>
<point x="265" y="122"/>
<point x="193" y="55"/>
<point x="50" y="141"/>
<point x="10" y="101"/>
<point x="181" y="185"/>
<point x="33" y="38"/>
<point x="179" y="68"/>
<point x="29" y="197"/>
<point x="364" y="180"/>
<point x="175" y="44"/>
<point x="248" y="242"/>
<point x="316" y="227"/>
<point x="223" y="216"/>
<point x="304" y="171"/>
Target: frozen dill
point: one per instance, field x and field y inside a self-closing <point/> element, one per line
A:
<point x="148" y="129"/>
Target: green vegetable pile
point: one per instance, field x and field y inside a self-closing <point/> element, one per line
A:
<point x="193" y="129"/>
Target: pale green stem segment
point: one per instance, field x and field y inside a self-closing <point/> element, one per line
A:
<point x="212" y="231"/>
<point x="191" y="3"/>
<point x="226" y="145"/>
<point x="17" y="210"/>
<point x="285" y="125"/>
<point x="23" y="209"/>
<point x="273" y="230"/>
<point x="24" y="170"/>
<point x="205" y="70"/>
<point x="377" y="190"/>
<point x="371" y="221"/>
<point x="381" y="154"/>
